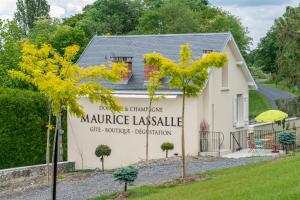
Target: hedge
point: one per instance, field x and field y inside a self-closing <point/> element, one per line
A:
<point x="23" y="120"/>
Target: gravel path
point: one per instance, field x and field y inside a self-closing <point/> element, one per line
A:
<point x="152" y="174"/>
<point x="272" y="94"/>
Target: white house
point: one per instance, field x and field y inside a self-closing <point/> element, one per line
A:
<point x="221" y="107"/>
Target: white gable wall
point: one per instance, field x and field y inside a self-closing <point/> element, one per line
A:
<point x="219" y="101"/>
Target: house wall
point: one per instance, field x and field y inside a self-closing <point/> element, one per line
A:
<point x="129" y="148"/>
<point x="218" y="104"/>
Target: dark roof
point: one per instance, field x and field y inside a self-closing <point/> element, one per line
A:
<point x="101" y="48"/>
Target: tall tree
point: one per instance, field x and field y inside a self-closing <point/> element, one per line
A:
<point x="59" y="36"/>
<point x="64" y="82"/>
<point x="11" y="37"/>
<point x="175" y="17"/>
<point x="152" y="87"/>
<point x="188" y="76"/>
<point x="288" y="41"/>
<point x="43" y="30"/>
<point x="264" y="56"/>
<point x="61" y="81"/>
<point x="108" y="17"/>
<point x="30" y="10"/>
<point x="66" y="36"/>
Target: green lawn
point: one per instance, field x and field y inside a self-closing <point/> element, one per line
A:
<point x="258" y="103"/>
<point x="276" y="180"/>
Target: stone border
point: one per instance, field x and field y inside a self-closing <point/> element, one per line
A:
<point x="12" y="175"/>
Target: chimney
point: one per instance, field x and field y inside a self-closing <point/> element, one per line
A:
<point x="128" y="64"/>
<point x="148" y="70"/>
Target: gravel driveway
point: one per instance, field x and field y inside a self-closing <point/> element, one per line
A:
<point x="151" y="174"/>
<point x="272" y="94"/>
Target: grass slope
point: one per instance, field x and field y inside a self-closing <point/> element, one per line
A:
<point x="258" y="103"/>
<point x="274" y="180"/>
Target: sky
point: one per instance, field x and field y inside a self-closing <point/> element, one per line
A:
<point x="257" y="15"/>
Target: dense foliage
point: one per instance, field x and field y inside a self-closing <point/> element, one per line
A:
<point x="264" y="56"/>
<point x="278" y="52"/>
<point x="288" y="41"/>
<point x="108" y="17"/>
<point x="126" y="175"/>
<point x="23" y="120"/>
<point x="10" y="52"/>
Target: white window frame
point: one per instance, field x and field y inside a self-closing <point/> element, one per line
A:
<point x="241" y="121"/>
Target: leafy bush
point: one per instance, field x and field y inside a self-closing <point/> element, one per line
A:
<point x="23" y="119"/>
<point x="287" y="139"/>
<point x="257" y="73"/>
<point x="101" y="151"/>
<point x="289" y="106"/>
<point x="126" y="175"/>
<point x="166" y="146"/>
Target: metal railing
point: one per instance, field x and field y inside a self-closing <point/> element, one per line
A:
<point x="211" y="141"/>
<point x="240" y="139"/>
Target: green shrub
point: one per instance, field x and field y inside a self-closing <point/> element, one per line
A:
<point x="126" y="175"/>
<point x="287" y="139"/>
<point x="257" y="73"/>
<point x="166" y="146"/>
<point x="101" y="151"/>
<point x="23" y="120"/>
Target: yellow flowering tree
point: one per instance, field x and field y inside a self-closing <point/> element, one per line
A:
<point x="154" y="84"/>
<point x="187" y="75"/>
<point x="63" y="82"/>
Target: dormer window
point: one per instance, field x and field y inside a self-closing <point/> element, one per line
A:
<point x="206" y="51"/>
<point x="128" y="63"/>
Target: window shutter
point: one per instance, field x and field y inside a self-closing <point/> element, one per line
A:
<point x="246" y="108"/>
<point x="234" y="110"/>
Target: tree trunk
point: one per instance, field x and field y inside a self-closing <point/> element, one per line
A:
<point x="102" y="161"/>
<point x="147" y="129"/>
<point x="125" y="187"/>
<point x="48" y="143"/>
<point x="166" y="153"/>
<point x="60" y="135"/>
<point x="54" y="150"/>
<point x="182" y="137"/>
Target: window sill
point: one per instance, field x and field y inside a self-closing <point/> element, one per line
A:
<point x="224" y="89"/>
<point x="240" y="125"/>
